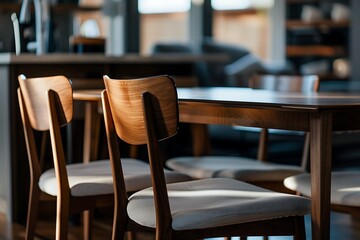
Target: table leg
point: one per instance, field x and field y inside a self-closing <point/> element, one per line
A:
<point x="91" y="131"/>
<point x="321" y="144"/>
<point x="263" y="145"/>
<point x="201" y="139"/>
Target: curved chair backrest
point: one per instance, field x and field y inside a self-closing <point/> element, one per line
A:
<point x="33" y="91"/>
<point x="141" y="111"/>
<point x="286" y="83"/>
<point x="46" y="104"/>
<point x="125" y="99"/>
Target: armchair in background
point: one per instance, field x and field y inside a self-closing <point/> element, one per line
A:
<point x="240" y="67"/>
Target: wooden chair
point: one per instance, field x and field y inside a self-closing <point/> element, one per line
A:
<point x="262" y="173"/>
<point x="145" y="111"/>
<point x="46" y="104"/>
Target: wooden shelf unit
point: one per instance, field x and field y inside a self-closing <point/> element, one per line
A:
<point x="59" y="8"/>
<point x="327" y="23"/>
<point x="301" y="1"/>
<point x="315" y="50"/>
<point x="312" y="41"/>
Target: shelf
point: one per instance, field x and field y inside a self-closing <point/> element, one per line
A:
<point x="331" y="76"/>
<point x="9" y="7"/>
<point x="315" y="50"/>
<point x="317" y="24"/>
<point x="318" y="40"/>
<point x="68" y="7"/>
<point x="59" y="8"/>
<point x="301" y="1"/>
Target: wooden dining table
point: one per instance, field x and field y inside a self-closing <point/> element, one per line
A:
<point x="317" y="113"/>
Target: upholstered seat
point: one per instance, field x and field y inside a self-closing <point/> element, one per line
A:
<point x="95" y="178"/>
<point x="212" y="203"/>
<point x="240" y="168"/>
<point x="345" y="187"/>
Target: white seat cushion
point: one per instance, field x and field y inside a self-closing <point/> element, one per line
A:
<point x="95" y="178"/>
<point x="239" y="168"/>
<point x="345" y="187"/>
<point x="216" y="202"/>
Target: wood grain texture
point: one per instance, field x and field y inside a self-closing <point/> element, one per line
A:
<point x="321" y="139"/>
<point x="34" y="89"/>
<point x="127" y="111"/>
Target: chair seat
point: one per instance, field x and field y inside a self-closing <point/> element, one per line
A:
<point x="216" y="202"/>
<point x="95" y="178"/>
<point x="239" y="168"/>
<point x="345" y="187"/>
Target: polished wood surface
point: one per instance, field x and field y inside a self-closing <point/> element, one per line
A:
<point x="87" y="94"/>
<point x="263" y="98"/>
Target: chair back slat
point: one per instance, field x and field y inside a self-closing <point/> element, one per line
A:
<point x="125" y="99"/>
<point x="35" y="99"/>
<point x="285" y="83"/>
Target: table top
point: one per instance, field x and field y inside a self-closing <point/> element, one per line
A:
<point x="96" y="58"/>
<point x="87" y="94"/>
<point x="265" y="98"/>
<point x="255" y="98"/>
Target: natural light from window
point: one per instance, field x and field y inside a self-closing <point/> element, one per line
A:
<point x="244" y="23"/>
<point x="240" y="4"/>
<point x="163" y="6"/>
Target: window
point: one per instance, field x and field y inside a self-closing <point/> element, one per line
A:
<point x="244" y="23"/>
<point x="163" y="21"/>
<point x="240" y="4"/>
<point x="163" y="6"/>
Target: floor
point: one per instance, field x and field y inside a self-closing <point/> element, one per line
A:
<point x="342" y="227"/>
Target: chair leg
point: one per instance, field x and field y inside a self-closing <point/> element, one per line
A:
<point x="131" y="236"/>
<point x="119" y="228"/>
<point x="263" y="145"/>
<point x="33" y="208"/>
<point x="62" y="218"/>
<point x="87" y="224"/>
<point x="299" y="229"/>
<point x="161" y="235"/>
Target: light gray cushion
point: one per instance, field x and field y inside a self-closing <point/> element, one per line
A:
<point x="95" y="178"/>
<point x="240" y="168"/>
<point x="345" y="187"/>
<point x="216" y="202"/>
